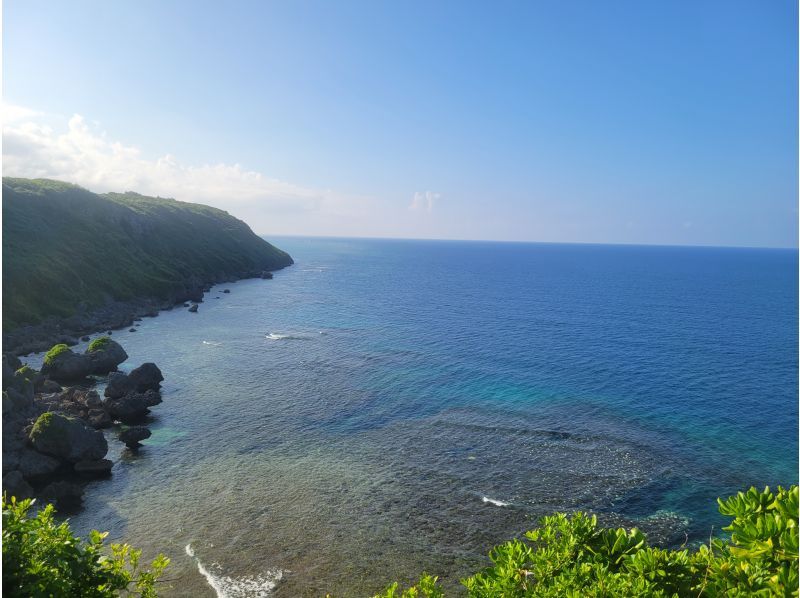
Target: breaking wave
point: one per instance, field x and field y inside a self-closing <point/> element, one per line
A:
<point x="252" y="586"/>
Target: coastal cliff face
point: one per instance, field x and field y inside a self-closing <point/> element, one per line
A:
<point x="76" y="261"/>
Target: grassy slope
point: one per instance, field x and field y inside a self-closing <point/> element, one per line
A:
<point x="63" y="246"/>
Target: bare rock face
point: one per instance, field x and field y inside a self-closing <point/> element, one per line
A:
<point x="134" y="435"/>
<point x="63" y="493"/>
<point x="132" y="406"/>
<point x="11" y="364"/>
<point x="17" y="404"/>
<point x="67" y="439"/>
<point x="99" y="468"/>
<point x="50" y="386"/>
<point x="34" y="465"/>
<point x="118" y="385"/>
<point x="146" y="377"/>
<point x="15" y="485"/>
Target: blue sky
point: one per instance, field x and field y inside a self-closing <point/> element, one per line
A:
<point x="625" y="122"/>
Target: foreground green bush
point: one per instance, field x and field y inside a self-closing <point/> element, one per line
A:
<point x="43" y="558"/>
<point x="571" y="556"/>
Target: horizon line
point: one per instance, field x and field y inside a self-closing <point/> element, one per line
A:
<point x="528" y="242"/>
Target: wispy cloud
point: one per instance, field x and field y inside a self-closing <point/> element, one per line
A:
<point x="80" y="152"/>
<point x="424" y="200"/>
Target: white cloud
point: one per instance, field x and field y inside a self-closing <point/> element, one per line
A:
<point x="424" y="200"/>
<point x="82" y="153"/>
<point x="12" y="113"/>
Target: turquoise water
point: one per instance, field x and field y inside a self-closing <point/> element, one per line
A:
<point x="384" y="407"/>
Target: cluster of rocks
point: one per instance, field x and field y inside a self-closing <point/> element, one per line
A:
<point x="52" y="435"/>
<point x="114" y="315"/>
<point x="102" y="356"/>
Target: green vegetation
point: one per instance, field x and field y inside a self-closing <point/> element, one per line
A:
<point x="43" y="558"/>
<point x="27" y="373"/>
<point x="571" y="556"/>
<point x="65" y="248"/>
<point x="54" y="352"/>
<point x="98" y="344"/>
<point x="42" y="424"/>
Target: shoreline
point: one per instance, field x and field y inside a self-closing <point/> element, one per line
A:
<point x="114" y="315"/>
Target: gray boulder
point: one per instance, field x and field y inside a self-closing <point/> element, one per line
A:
<point x="193" y="308"/>
<point x="64" y="493"/>
<point x="34" y="465"/>
<point x="134" y="435"/>
<point x="10" y="365"/>
<point x="118" y="385"/>
<point x="146" y="377"/>
<point x="18" y="404"/>
<point x="10" y="459"/>
<point x="132" y="406"/>
<point x="105" y="355"/>
<point x="67" y="439"/>
<point x="62" y="364"/>
<point x="13" y="361"/>
<point x="99" y="418"/>
<point x="50" y="386"/>
<point x="15" y="485"/>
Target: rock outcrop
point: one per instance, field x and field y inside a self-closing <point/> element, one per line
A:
<point x="105" y="355"/>
<point x="133" y="435"/>
<point x="62" y="364"/>
<point x="51" y="439"/>
<point x="146" y="377"/>
<point x="132" y="406"/>
<point x="101" y="357"/>
<point x="67" y="439"/>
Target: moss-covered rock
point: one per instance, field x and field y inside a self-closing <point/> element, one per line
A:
<point x="27" y="372"/>
<point x="61" y="363"/>
<point x="55" y="352"/>
<point x="105" y="355"/>
<point x="67" y="439"/>
<point x="99" y="344"/>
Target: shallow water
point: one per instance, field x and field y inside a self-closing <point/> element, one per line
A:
<point x="384" y="407"/>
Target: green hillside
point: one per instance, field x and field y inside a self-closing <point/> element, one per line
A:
<point x="64" y="246"/>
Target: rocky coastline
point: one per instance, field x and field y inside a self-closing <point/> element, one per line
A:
<point x="53" y="420"/>
<point x="114" y="315"/>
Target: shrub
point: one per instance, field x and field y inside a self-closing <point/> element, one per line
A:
<point x="98" y="344"/>
<point x="43" y="558"/>
<point x="571" y="556"/>
<point x="57" y="350"/>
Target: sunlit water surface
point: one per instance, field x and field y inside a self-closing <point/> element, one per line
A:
<point x="387" y="407"/>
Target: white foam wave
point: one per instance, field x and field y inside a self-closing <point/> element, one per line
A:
<point x="213" y="344"/>
<point x="258" y="586"/>
<point x="497" y="503"/>
<point x="274" y="336"/>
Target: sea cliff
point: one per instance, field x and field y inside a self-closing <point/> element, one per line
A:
<point x="76" y="262"/>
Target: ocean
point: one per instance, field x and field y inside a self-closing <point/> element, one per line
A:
<point x="385" y="407"/>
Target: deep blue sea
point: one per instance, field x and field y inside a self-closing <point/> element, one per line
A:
<point x="385" y="407"/>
